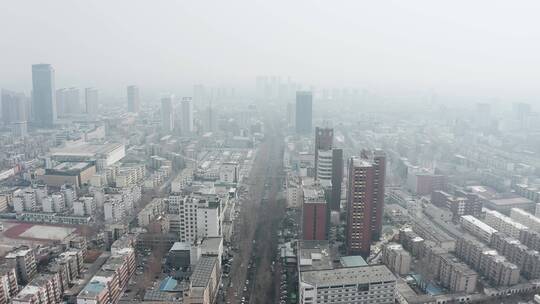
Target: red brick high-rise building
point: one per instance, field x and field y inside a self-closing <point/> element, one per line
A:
<point x="365" y="201"/>
<point x="314" y="214"/>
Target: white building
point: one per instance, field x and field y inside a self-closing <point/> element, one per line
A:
<point x="25" y="200"/>
<point x="70" y="195"/>
<point x="104" y="154"/>
<point x="47" y="205"/>
<point x="477" y="228"/>
<point x="195" y="217"/>
<point x="114" y="208"/>
<point x="348" y="285"/>
<point x="324" y="165"/>
<point x="78" y="208"/>
<point x="396" y="258"/>
<point x="525" y="218"/>
<point x="503" y="223"/>
<point x="58" y="202"/>
<point x="86" y="205"/>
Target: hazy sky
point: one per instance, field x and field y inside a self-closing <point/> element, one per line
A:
<point x="467" y="46"/>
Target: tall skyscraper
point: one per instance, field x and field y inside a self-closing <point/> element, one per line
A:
<point x="43" y="95"/>
<point x="91" y="100"/>
<point x="133" y="98"/>
<point x="209" y="118"/>
<point x="337" y="178"/>
<point x="13" y="107"/>
<point x="365" y="200"/>
<point x="304" y="112"/>
<point x="187" y="116"/>
<point x="73" y="101"/>
<point x="290" y="114"/>
<point x="379" y="163"/>
<point x="167" y="114"/>
<point x="61" y="96"/>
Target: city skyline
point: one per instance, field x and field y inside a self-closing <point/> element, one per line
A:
<point x="422" y="47"/>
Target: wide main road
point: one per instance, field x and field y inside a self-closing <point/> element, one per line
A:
<point x="257" y="224"/>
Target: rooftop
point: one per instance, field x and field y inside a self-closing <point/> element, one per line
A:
<point x="85" y="149"/>
<point x="314" y="255"/>
<point x="354" y="275"/>
<point x="96" y="285"/>
<point x="510" y="201"/>
<point x="352" y="261"/>
<point x="478" y="223"/>
<point x="203" y="271"/>
<point x="180" y="246"/>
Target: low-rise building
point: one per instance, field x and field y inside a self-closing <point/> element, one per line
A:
<point x="23" y="259"/>
<point x="204" y="281"/>
<point x="151" y="211"/>
<point x="477" y="228"/>
<point x="396" y="258"/>
<point x="44" y="289"/>
<point x="495" y="267"/>
<point x="449" y="271"/>
<point x="503" y="223"/>
<point x="349" y="285"/>
<point x="321" y="281"/>
<point x="109" y="282"/>
<point x="525" y="218"/>
<point x="71" y="173"/>
<point x="8" y="283"/>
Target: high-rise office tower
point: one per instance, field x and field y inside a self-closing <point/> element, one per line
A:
<point x="61" y="95"/>
<point x="365" y="200"/>
<point x="304" y="112"/>
<point x="379" y="162"/>
<point x="337" y="178"/>
<point x="187" y="116"/>
<point x="209" y="118"/>
<point x="290" y="114"/>
<point x="43" y="95"/>
<point x="167" y="114"/>
<point x="91" y="100"/>
<point x="133" y="98"/>
<point x="13" y="107"/>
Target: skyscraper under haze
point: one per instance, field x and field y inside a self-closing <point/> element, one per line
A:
<point x="13" y="107"/>
<point x="133" y="98"/>
<point x="68" y="101"/>
<point x="187" y="116"/>
<point x="91" y="100"/>
<point x="304" y="112"/>
<point x="167" y="114"/>
<point x="365" y="200"/>
<point x="379" y="163"/>
<point x="43" y="95"/>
